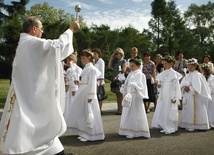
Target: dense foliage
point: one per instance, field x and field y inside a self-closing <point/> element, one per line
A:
<point x="169" y="31"/>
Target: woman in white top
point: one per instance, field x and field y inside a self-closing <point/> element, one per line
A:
<point x="100" y="65"/>
<point x="195" y="91"/>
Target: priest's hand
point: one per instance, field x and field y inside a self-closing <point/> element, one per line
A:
<point x="74" y="26"/>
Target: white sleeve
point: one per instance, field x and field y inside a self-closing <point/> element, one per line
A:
<point x="102" y="69"/>
<point x="176" y="92"/>
<point x="64" y="44"/>
<point x="92" y="85"/>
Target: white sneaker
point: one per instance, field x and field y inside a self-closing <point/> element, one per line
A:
<point x="162" y="131"/>
<point x="130" y="136"/>
<point x="190" y="129"/>
<point x="79" y="137"/>
<point x="83" y="140"/>
<point x="168" y="133"/>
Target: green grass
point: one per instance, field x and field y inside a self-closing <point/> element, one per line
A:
<point x="5" y="83"/>
<point x="4" y="87"/>
<point x="111" y="96"/>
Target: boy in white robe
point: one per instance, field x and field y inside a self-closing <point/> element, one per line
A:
<point x="33" y="119"/>
<point x="166" y="113"/>
<point x="134" y="120"/>
<point x="207" y="72"/>
<point x="195" y="91"/>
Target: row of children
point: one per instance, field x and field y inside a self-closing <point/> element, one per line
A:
<point x="83" y="115"/>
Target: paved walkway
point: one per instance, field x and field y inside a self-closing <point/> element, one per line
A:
<point x="180" y="143"/>
<point x="108" y="106"/>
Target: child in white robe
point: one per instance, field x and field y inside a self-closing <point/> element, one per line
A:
<point x="207" y="72"/>
<point x="195" y="91"/>
<point x="166" y="112"/>
<point x="134" y="120"/>
<point x="72" y="79"/>
<point x="86" y="121"/>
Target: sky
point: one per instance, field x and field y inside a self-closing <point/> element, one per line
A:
<point x="114" y="13"/>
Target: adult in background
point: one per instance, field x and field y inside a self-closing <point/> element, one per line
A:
<point x="100" y="65"/>
<point x="158" y="64"/>
<point x="33" y="119"/>
<point x="118" y="63"/>
<point x="134" y="54"/>
<point x="159" y="68"/>
<point x="79" y="63"/>
<point x="181" y="63"/>
<point x="179" y="66"/>
<point x="150" y="71"/>
<point x="208" y="61"/>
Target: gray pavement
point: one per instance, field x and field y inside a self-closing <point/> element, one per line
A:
<point x="179" y="143"/>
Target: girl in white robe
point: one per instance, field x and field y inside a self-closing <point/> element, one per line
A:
<point x="72" y="78"/>
<point x="166" y="112"/>
<point x="195" y="91"/>
<point x="134" y="120"/>
<point x="86" y="121"/>
<point x="207" y="72"/>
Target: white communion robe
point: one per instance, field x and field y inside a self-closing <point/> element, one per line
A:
<point x="210" y="103"/>
<point x="134" y="120"/>
<point x="33" y="115"/>
<point x="194" y="113"/>
<point x="72" y="74"/>
<point x="81" y="109"/>
<point x="169" y="90"/>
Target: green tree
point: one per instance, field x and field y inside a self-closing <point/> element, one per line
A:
<point x="168" y="24"/>
<point x="200" y="20"/>
<point x="158" y="11"/>
<point x="54" y="21"/>
<point x="10" y="30"/>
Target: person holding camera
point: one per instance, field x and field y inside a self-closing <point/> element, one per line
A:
<point x="118" y="63"/>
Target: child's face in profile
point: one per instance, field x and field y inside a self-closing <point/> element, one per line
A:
<point x="85" y="59"/>
<point x="133" y="66"/>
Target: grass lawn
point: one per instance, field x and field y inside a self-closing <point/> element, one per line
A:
<point x="5" y="83"/>
<point x="4" y="87"/>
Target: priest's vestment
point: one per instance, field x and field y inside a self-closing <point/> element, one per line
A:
<point x="33" y="115"/>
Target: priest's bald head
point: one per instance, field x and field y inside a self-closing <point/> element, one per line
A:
<point x="33" y="26"/>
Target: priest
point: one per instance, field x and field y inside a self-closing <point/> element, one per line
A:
<point x="33" y="119"/>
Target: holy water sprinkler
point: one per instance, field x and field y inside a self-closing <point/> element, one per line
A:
<point x="77" y="9"/>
